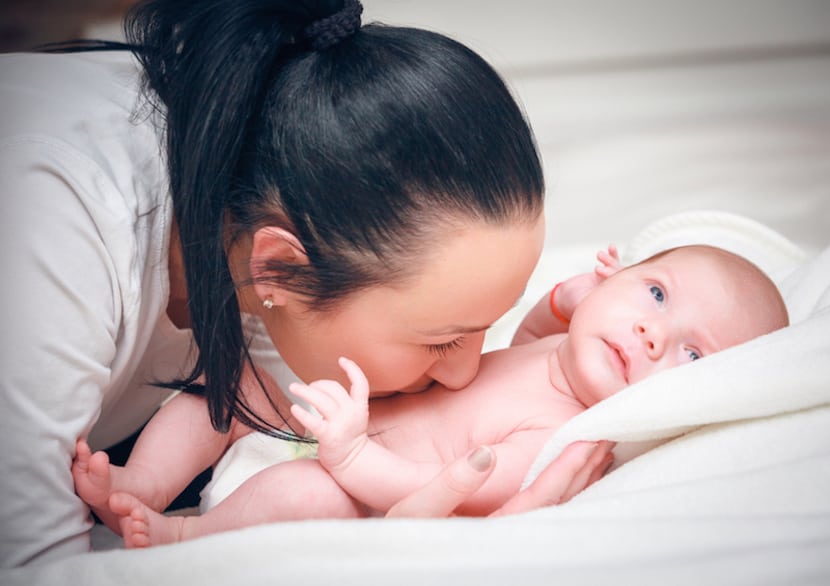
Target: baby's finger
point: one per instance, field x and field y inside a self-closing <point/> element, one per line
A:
<point x="607" y="260"/>
<point x="609" y="263"/>
<point x="360" y="384"/>
<point x="600" y="470"/>
<point x="311" y="421"/>
<point x="594" y="468"/>
<point x="316" y="397"/>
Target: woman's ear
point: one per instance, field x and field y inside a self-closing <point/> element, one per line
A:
<point x="273" y="244"/>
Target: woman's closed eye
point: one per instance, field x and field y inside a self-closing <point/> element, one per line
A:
<point x="446" y="347"/>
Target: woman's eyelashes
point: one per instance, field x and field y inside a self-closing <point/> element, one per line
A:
<point x="446" y="347"/>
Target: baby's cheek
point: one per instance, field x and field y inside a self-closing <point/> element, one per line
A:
<point x="678" y="358"/>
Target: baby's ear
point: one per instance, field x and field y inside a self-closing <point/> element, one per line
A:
<point x="273" y="244"/>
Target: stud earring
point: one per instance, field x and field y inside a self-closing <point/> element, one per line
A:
<point x="267" y="303"/>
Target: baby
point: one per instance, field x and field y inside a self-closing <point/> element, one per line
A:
<point x="669" y="310"/>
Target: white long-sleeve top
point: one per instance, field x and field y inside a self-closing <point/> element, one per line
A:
<point x="84" y="237"/>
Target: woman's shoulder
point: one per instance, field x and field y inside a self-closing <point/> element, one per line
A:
<point x="74" y="137"/>
<point x="74" y="154"/>
<point x="80" y="116"/>
<point x="53" y="93"/>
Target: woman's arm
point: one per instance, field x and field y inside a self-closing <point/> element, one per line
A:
<point x="61" y="307"/>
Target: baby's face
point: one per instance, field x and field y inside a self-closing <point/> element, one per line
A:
<point x="670" y="311"/>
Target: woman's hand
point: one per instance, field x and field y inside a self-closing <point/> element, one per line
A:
<point x="577" y="467"/>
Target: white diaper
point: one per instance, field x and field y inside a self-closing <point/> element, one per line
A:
<point x="247" y="456"/>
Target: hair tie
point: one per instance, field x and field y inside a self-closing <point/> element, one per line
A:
<point x="328" y="31"/>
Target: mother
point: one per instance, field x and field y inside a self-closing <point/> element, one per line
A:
<point x="287" y="184"/>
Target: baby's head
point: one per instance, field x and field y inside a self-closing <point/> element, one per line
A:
<point x="670" y="309"/>
<point x="742" y="298"/>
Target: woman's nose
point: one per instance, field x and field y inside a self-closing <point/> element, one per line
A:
<point x="652" y="336"/>
<point x="458" y="368"/>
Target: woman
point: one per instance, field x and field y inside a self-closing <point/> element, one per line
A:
<point x="255" y="189"/>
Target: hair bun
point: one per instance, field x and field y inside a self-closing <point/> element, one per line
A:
<point x="328" y="31"/>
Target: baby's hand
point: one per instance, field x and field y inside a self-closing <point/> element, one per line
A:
<point x="340" y="427"/>
<point x="572" y="291"/>
<point x="609" y="262"/>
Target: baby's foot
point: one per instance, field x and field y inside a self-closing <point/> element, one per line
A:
<point x="140" y="525"/>
<point x="91" y="473"/>
<point x="93" y="482"/>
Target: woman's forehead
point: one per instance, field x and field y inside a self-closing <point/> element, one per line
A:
<point x="466" y="282"/>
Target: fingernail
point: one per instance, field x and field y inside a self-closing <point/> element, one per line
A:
<point x="481" y="459"/>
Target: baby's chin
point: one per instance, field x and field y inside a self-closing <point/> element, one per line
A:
<point x="591" y="392"/>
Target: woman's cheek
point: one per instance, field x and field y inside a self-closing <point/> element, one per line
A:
<point x="396" y="372"/>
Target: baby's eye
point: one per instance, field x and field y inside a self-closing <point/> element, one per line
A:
<point x="657" y="293"/>
<point x="693" y="354"/>
<point x="443" y="349"/>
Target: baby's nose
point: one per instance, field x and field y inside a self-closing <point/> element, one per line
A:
<point x="652" y="336"/>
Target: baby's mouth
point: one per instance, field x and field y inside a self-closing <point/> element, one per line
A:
<point x="621" y="358"/>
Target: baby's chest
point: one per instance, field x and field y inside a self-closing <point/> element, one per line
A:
<point x="520" y="414"/>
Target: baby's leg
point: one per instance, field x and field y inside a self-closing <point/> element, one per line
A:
<point x="299" y="489"/>
<point x="96" y="480"/>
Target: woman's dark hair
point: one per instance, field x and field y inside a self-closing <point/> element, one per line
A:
<point x="361" y="149"/>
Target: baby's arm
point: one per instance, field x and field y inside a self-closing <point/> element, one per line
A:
<point x="365" y="469"/>
<point x="380" y="478"/>
<point x="540" y="321"/>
